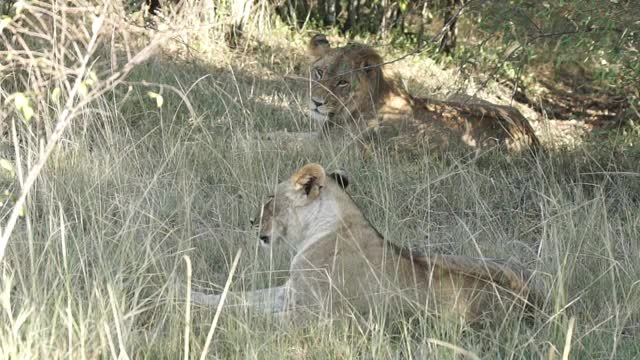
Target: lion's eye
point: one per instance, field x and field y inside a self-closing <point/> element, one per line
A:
<point x="342" y="83"/>
<point x="317" y="74"/>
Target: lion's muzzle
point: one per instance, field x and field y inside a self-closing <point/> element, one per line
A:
<point x="318" y="110"/>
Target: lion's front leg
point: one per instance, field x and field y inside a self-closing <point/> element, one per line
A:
<point x="269" y="300"/>
<point x="204" y="299"/>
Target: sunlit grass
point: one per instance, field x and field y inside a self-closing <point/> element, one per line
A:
<point x="133" y="188"/>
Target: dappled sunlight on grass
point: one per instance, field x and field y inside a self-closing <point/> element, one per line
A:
<point x="90" y="270"/>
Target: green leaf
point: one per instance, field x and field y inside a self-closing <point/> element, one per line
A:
<point x="92" y="78"/>
<point x="20" y="100"/>
<point x="22" y="211"/>
<point x="8" y="198"/>
<point x="55" y="95"/>
<point x="157" y="97"/>
<point x="4" y="22"/>
<point x="22" y="104"/>
<point x="8" y="167"/>
<point x="27" y="113"/>
<point x="83" y="90"/>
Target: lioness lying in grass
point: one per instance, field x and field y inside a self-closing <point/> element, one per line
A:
<point x="342" y="262"/>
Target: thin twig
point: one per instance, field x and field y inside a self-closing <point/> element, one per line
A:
<point x="63" y="121"/>
<point x="70" y="110"/>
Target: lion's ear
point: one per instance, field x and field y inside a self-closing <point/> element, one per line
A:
<point x="318" y="46"/>
<point x="368" y="60"/>
<point x="340" y="176"/>
<point x="309" y="180"/>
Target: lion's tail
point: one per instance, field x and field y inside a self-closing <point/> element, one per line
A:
<point x="512" y="277"/>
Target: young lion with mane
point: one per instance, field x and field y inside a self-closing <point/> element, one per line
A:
<point x="350" y="89"/>
<point x="343" y="263"/>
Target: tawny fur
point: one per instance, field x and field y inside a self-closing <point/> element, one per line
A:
<point x="350" y="89"/>
<point x="342" y="263"/>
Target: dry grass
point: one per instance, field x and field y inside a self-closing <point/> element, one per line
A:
<point x="132" y="188"/>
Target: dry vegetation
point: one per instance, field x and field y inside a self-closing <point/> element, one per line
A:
<point x="126" y="149"/>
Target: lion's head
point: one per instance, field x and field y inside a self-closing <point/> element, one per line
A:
<point x="345" y="81"/>
<point x="302" y="207"/>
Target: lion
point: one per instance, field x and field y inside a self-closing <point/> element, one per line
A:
<point x="343" y="263"/>
<point x="349" y="88"/>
